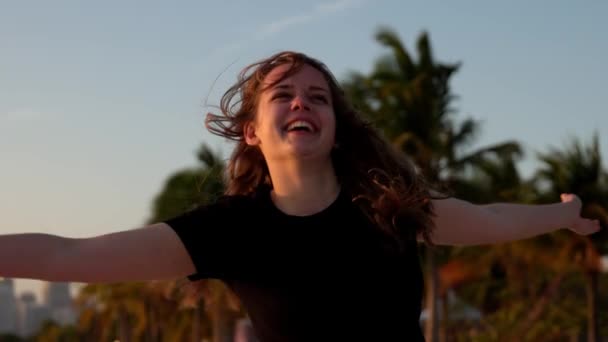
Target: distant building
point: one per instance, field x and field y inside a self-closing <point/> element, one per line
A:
<point x="31" y="314"/>
<point x="57" y="298"/>
<point x="8" y="307"/>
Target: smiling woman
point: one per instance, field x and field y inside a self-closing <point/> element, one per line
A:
<point x="317" y="232"/>
<point x="298" y="120"/>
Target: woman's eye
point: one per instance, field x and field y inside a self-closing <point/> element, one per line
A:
<point x="321" y="98"/>
<point x="280" y="96"/>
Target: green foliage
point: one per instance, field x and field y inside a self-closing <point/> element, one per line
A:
<point x="577" y="169"/>
<point x="410" y="101"/>
<point x="187" y="188"/>
<point x="53" y="332"/>
<point x="5" y="337"/>
<point x="155" y="311"/>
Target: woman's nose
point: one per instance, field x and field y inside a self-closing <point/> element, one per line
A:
<point x="299" y="103"/>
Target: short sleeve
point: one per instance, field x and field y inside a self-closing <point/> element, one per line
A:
<point x="212" y="236"/>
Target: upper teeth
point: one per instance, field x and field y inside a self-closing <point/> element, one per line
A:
<point x="298" y="124"/>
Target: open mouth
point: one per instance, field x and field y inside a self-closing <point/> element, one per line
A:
<point x="300" y="126"/>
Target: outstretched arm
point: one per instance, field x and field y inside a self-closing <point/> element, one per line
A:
<point x="153" y="252"/>
<point x="458" y="222"/>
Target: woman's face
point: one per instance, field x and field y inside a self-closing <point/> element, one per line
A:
<point x="295" y="117"/>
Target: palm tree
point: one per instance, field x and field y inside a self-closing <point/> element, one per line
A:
<point x="184" y="190"/>
<point x="548" y="257"/>
<point x="188" y="188"/>
<point x="53" y="332"/>
<point x="490" y="179"/>
<point x="113" y="311"/>
<point x="164" y="310"/>
<point x="9" y="337"/>
<point x="154" y="311"/>
<point x="410" y="102"/>
<point x="578" y="169"/>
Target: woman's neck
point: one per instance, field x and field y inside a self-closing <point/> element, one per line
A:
<point x="303" y="189"/>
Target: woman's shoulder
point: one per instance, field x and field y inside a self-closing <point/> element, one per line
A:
<point x="226" y="208"/>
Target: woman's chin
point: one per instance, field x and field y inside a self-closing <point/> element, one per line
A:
<point x="308" y="152"/>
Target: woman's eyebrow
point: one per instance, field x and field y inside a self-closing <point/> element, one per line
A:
<point x="288" y="86"/>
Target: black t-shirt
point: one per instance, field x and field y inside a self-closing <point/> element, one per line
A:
<point x="323" y="277"/>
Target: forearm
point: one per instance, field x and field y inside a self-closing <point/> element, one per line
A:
<point x="459" y="222"/>
<point x="521" y="221"/>
<point x="29" y="255"/>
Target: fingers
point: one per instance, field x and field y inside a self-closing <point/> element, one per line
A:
<point x="573" y="202"/>
<point x="587" y="227"/>
<point x="583" y="226"/>
<point x="594" y="226"/>
<point x="597" y="226"/>
<point x="567" y="197"/>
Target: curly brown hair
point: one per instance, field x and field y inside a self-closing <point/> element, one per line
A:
<point x="382" y="180"/>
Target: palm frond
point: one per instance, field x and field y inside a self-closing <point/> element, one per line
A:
<point x="390" y="39"/>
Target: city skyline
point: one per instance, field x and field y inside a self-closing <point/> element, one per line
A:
<point x="23" y="314"/>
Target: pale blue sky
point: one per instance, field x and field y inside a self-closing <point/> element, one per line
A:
<point x="100" y="102"/>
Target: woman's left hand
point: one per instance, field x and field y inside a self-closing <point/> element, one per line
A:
<point x="578" y="224"/>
